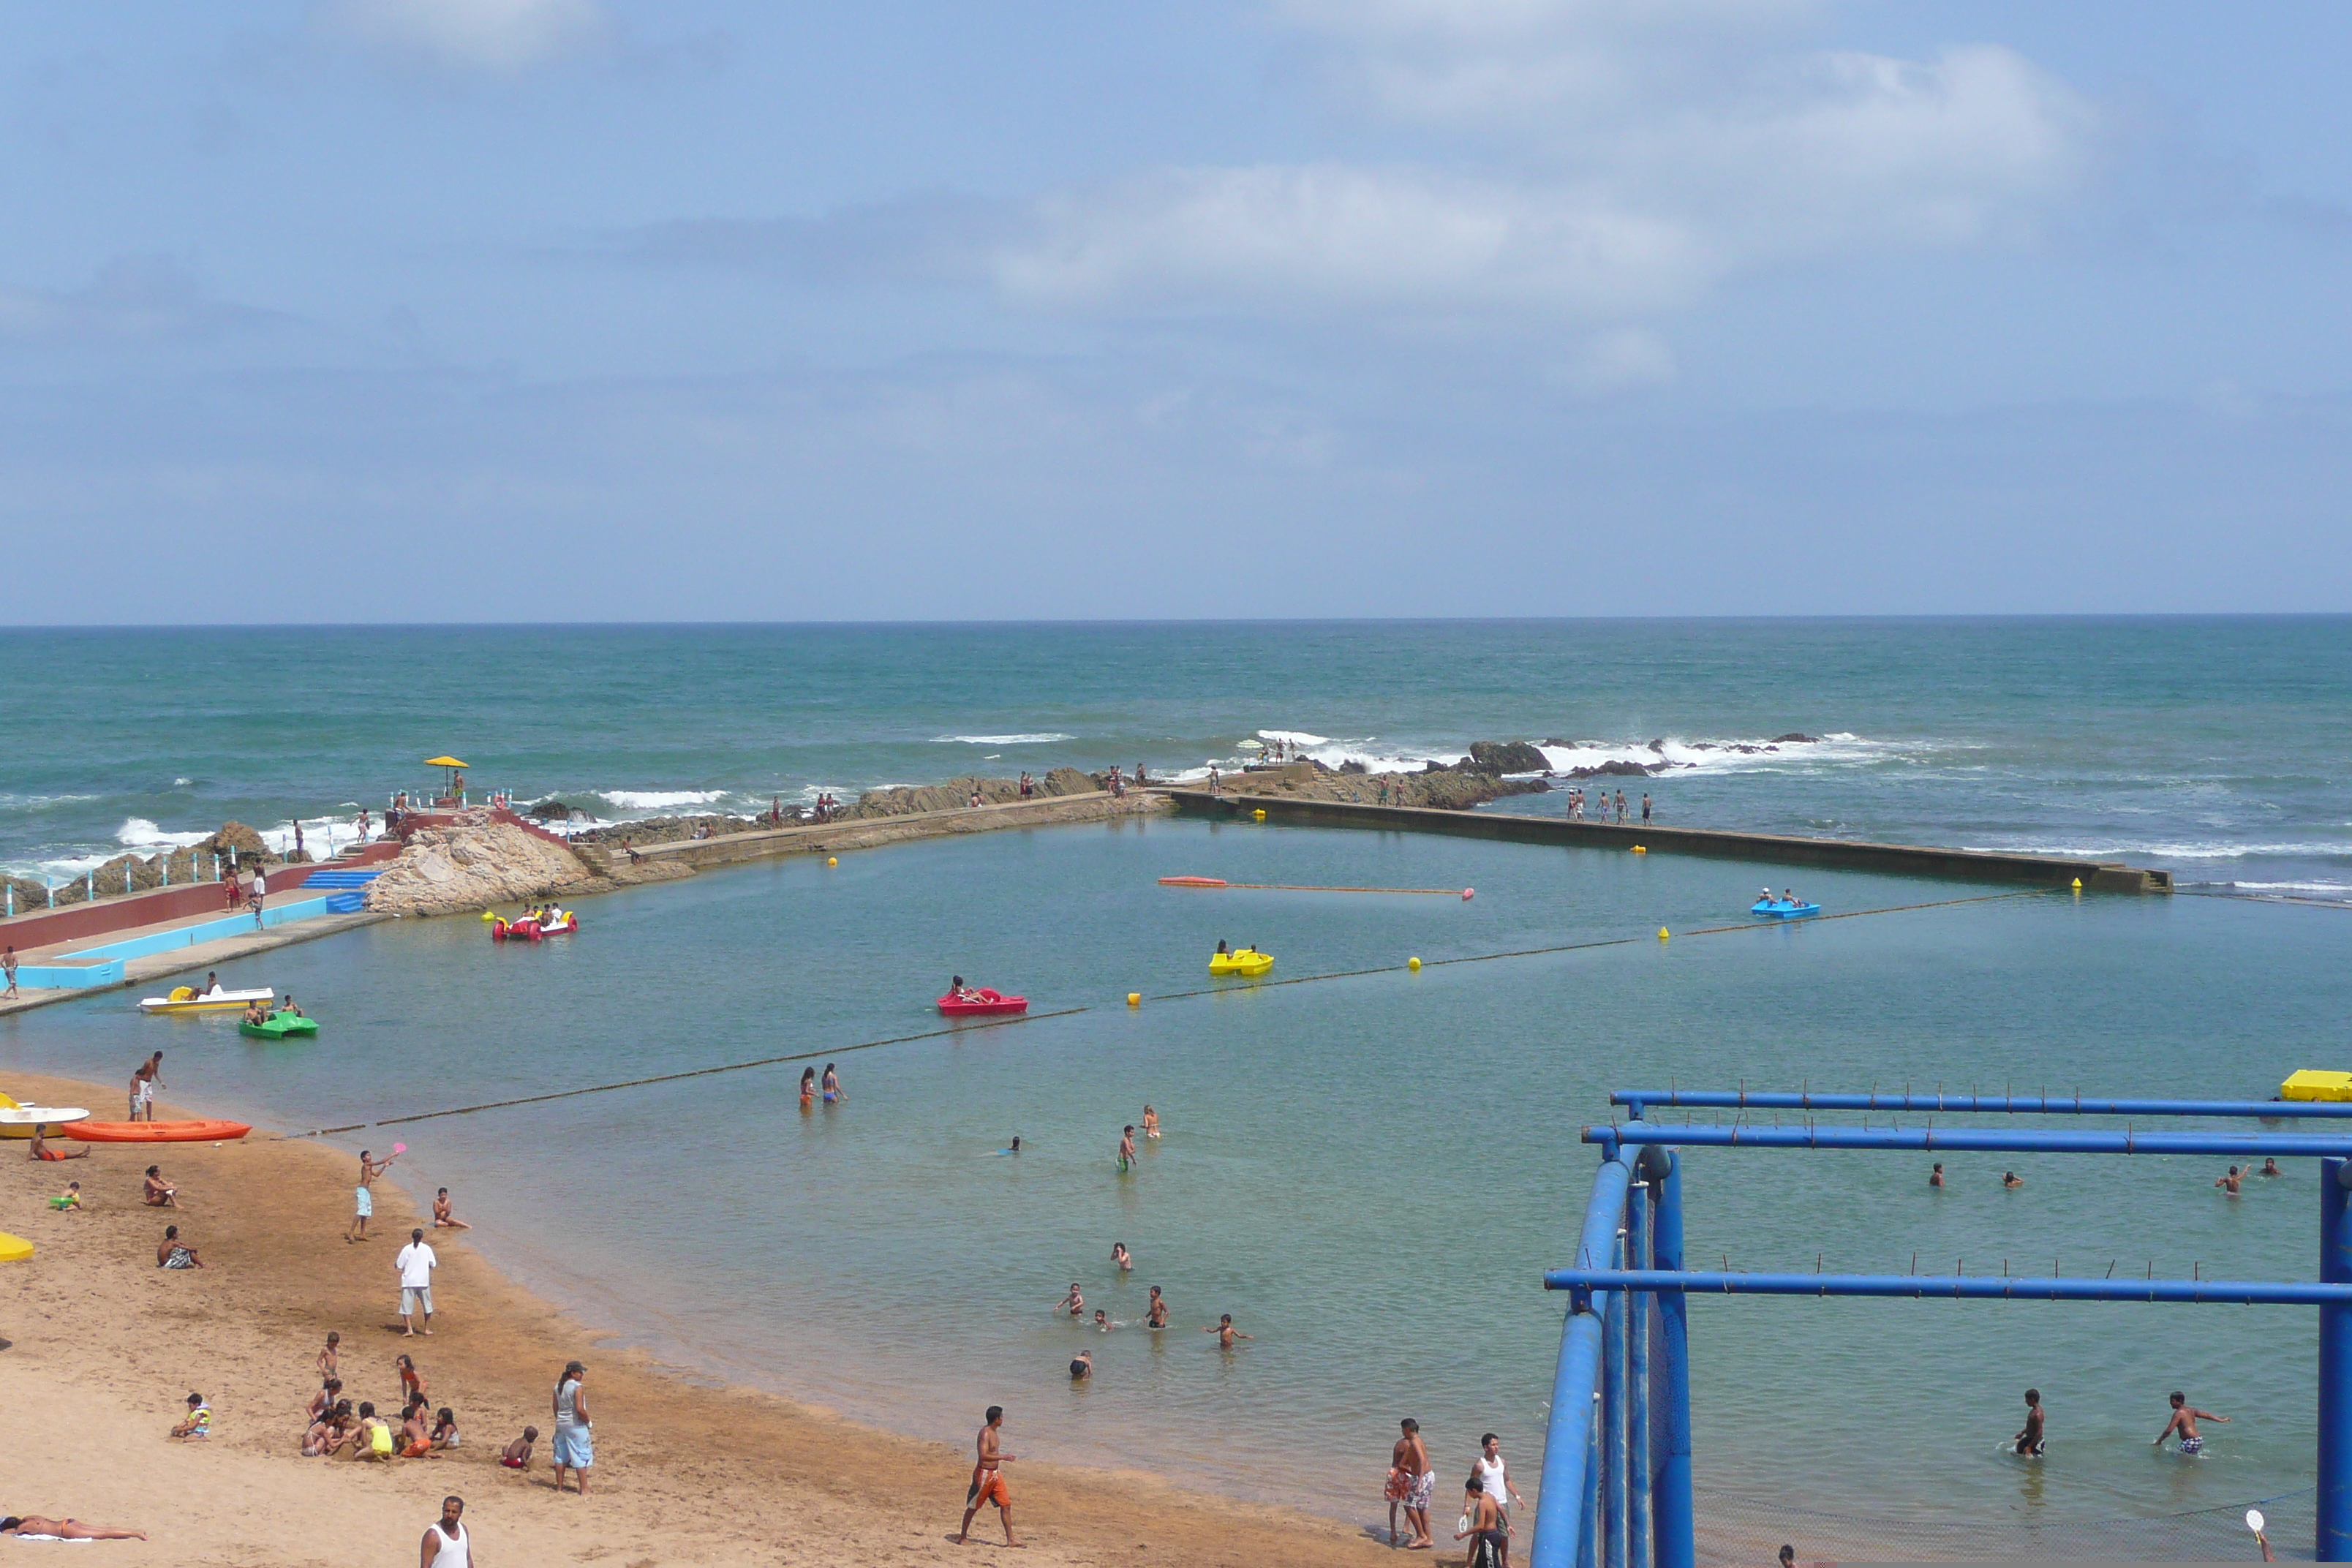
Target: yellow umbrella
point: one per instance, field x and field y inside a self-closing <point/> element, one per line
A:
<point x="453" y="764"/>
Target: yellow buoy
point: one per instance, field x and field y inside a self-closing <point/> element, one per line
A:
<point x="1135" y="998"/>
<point x="489" y="915"/>
<point x="832" y="859"/>
<point x="1662" y="933"/>
<point x="1641" y="849"/>
<point x="2078" y="884"/>
<point x="1259" y="813"/>
<point x="1413" y="964"/>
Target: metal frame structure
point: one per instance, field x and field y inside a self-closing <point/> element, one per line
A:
<point x="1617" y="1457"/>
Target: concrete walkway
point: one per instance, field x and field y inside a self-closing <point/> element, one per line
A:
<point x="145" y="971"/>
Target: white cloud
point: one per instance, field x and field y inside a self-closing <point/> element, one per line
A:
<point x="501" y="36"/>
<point x="1615" y="161"/>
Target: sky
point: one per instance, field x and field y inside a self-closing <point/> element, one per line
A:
<point x="586" y="310"/>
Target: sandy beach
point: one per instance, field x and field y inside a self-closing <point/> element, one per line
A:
<point x="105" y="1347"/>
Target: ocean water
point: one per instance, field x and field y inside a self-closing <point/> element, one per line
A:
<point x="2210" y="746"/>
<point x="1368" y="1172"/>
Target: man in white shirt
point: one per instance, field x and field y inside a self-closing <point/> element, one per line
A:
<point x="415" y="1264"/>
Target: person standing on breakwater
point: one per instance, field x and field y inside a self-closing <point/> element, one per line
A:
<point x="575" y="1448"/>
<point x="1645" y="806"/>
<point x="8" y="968"/>
<point x="1410" y="1486"/>
<point x="2184" y="1420"/>
<point x="988" y="1478"/>
<point x="1213" y="778"/>
<point x="261" y="891"/>
<point x="363" y="1198"/>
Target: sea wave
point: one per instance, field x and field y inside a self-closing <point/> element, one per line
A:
<point x="658" y="799"/>
<point x="1701" y="755"/>
<point x="2197" y="849"/>
<point x="1041" y="739"/>
<point x="138" y="833"/>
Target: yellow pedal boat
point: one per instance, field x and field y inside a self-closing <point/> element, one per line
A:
<point x="1242" y="961"/>
<point x="188" y="999"/>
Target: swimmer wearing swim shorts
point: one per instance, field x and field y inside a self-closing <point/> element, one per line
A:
<point x="2183" y="1421"/>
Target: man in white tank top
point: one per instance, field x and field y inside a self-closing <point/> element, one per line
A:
<point x="1496" y="1475"/>
<point x="446" y="1545"/>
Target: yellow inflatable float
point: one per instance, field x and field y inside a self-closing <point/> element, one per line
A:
<point x="2311" y="1084"/>
<point x="1242" y="961"/>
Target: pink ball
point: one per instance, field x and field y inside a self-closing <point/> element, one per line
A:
<point x="1467" y="892"/>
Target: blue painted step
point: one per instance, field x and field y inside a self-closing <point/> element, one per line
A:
<point x="349" y="879"/>
<point x="346" y="903"/>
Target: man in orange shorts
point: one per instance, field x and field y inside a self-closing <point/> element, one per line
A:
<point x="988" y="1479"/>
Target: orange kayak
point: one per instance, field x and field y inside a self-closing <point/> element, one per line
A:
<point x="156" y="1132"/>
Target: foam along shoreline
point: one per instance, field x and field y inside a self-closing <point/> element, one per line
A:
<point x="719" y="1475"/>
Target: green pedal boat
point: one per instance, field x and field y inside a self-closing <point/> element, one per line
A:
<point x="281" y="1026"/>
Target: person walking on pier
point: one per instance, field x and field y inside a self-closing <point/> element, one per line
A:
<point x="8" y="968"/>
<point x="1411" y="1482"/>
<point x="2028" y="1440"/>
<point x="2183" y="1421"/>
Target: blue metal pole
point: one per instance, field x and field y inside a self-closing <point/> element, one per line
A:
<point x="1640" y="1100"/>
<point x="1588" y="1527"/>
<point x="2333" y="1543"/>
<point x="1570" y="1440"/>
<point x="1674" y="1529"/>
<point x="2046" y="1140"/>
<point x="1612" y="1425"/>
<point x="1638" y="1421"/>
<point x="1970" y="1288"/>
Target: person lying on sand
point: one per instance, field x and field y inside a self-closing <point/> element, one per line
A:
<point x="41" y="1149"/>
<point x="516" y="1455"/>
<point x="157" y="1193"/>
<point x="442" y="1218"/>
<point x="65" y="1529"/>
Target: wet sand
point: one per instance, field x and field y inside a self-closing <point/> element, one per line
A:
<point x="102" y="1348"/>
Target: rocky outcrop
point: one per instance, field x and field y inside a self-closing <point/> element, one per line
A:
<point x="1506" y="757"/>
<point x="1619" y="770"/>
<point x="444" y="870"/>
<point x="239" y="842"/>
<point x="1436" y="785"/>
<point x="1796" y="738"/>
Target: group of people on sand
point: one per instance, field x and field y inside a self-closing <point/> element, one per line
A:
<point x="334" y="1427"/>
<point x="1488" y="1498"/>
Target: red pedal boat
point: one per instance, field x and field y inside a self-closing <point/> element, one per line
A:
<point x="979" y="1003"/>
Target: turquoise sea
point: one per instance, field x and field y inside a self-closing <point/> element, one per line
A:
<point x="1370" y="1171"/>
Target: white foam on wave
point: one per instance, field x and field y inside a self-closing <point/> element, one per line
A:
<point x="2339" y="890"/>
<point x="658" y="799"/>
<point x="2197" y="849"/>
<point x="1042" y="739"/>
<point x="138" y="833"/>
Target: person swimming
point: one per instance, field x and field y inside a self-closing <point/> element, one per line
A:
<point x="1014" y="1148"/>
<point x="1102" y="1321"/>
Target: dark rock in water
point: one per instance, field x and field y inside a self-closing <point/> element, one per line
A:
<point x="1796" y="738"/>
<point x="1353" y="766"/>
<point x="1506" y="757"/>
<point x="1619" y="770"/>
<point x="1658" y="745"/>
<point x="1556" y="741"/>
<point x="557" y="811"/>
<point x="1434" y="766"/>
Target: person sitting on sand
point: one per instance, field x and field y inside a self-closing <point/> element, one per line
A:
<point x="157" y="1193"/>
<point x="325" y="1437"/>
<point x="41" y="1149"/>
<point x="65" y="1529"/>
<point x="373" y="1438"/>
<point x="516" y="1455"/>
<point x="445" y="1429"/>
<point x="68" y="1201"/>
<point x="442" y="1218"/>
<point x="173" y="1253"/>
<point x="416" y="1431"/>
<point x="330" y="1393"/>
<point x="199" y="1422"/>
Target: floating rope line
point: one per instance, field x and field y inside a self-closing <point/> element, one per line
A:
<point x="1073" y="1011"/>
<point x="1216" y="882"/>
<point x="690" y="1072"/>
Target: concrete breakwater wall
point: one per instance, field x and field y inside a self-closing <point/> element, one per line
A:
<point x="1776" y="849"/>
<point x="872" y="832"/>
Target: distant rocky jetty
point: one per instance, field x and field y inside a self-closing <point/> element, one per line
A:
<point x="901" y="800"/>
<point x="235" y="845"/>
